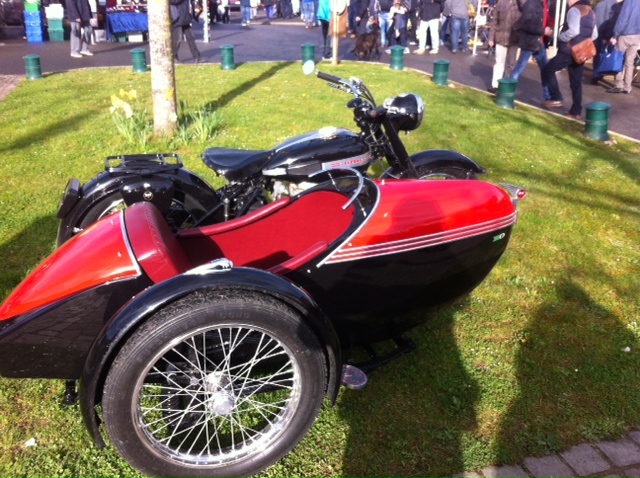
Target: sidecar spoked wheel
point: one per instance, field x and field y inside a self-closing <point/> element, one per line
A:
<point x="214" y="385"/>
<point x="424" y="172"/>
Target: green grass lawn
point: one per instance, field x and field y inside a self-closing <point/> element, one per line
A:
<point x="532" y="362"/>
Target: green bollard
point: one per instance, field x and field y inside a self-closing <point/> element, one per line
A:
<point x="139" y="59"/>
<point x="506" y="92"/>
<point x="440" y="72"/>
<point x="397" y="57"/>
<point x="597" y="122"/>
<point x="32" y="65"/>
<point x="308" y="52"/>
<point x="226" y="57"/>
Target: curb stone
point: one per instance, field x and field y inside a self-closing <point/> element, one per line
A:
<point x="619" y="458"/>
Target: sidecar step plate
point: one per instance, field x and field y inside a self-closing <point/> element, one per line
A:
<point x="353" y="377"/>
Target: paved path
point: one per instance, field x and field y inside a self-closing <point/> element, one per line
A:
<point x="282" y="41"/>
<point x="607" y="459"/>
<point x="8" y="83"/>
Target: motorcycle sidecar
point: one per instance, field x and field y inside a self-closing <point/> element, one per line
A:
<point x="211" y="351"/>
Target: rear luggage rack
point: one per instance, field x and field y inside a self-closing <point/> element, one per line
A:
<point x="142" y="164"/>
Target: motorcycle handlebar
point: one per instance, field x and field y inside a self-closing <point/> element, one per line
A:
<point x="330" y="78"/>
<point x="379" y="111"/>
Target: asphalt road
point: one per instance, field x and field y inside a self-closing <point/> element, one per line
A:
<point x="282" y="41"/>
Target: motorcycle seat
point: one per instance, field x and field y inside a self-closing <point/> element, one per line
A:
<point x="236" y="164"/>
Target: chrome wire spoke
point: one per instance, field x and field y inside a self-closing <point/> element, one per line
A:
<point x="248" y="367"/>
<point x="257" y="358"/>
<point x="175" y="418"/>
<point x="265" y="381"/>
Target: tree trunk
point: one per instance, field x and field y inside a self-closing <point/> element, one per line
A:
<point x="163" y="78"/>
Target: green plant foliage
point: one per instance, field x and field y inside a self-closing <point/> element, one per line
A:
<point x="544" y="355"/>
<point x="199" y="125"/>
<point x="129" y="118"/>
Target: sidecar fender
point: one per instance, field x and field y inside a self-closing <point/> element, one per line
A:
<point x="147" y="303"/>
<point x="159" y="188"/>
<point x="440" y="158"/>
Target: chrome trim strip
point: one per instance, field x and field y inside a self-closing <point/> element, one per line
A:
<point x="394" y="247"/>
<point x="355" y="233"/>
<point x="125" y="236"/>
<point x="216" y="266"/>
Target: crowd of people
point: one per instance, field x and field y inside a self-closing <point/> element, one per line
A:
<point x="518" y="30"/>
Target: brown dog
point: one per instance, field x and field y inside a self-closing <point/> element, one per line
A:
<point x="368" y="43"/>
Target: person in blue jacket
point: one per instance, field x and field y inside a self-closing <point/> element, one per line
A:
<point x="324" y="16"/>
<point x="626" y="35"/>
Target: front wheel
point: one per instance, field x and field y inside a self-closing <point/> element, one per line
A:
<point x="425" y="172"/>
<point x="217" y="384"/>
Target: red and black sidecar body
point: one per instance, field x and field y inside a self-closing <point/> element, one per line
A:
<point x="211" y="350"/>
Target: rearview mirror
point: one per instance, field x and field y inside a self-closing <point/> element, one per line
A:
<point x="308" y="67"/>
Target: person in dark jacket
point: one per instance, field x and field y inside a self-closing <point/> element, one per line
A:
<point x="269" y="9"/>
<point x="532" y="28"/>
<point x="429" y="12"/>
<point x="79" y="15"/>
<point x="413" y="23"/>
<point x="580" y="24"/>
<point x="361" y="15"/>
<point x="181" y="26"/>
<point x="626" y="35"/>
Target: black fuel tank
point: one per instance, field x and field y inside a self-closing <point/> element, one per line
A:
<point x="323" y="149"/>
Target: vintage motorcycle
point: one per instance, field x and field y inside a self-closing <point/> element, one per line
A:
<point x="253" y="178"/>
<point x="211" y="350"/>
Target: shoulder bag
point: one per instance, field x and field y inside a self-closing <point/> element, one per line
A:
<point x="583" y="51"/>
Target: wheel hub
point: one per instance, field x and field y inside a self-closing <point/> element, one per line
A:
<point x="220" y="401"/>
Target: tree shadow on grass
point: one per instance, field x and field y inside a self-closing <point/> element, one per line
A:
<point x="50" y="130"/>
<point x="577" y="382"/>
<point x="24" y="250"/>
<point x="243" y="88"/>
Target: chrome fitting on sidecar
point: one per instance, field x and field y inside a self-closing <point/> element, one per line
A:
<point x="516" y="192"/>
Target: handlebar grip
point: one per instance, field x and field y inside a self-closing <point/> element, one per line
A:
<point x="330" y="78"/>
<point x="379" y="111"/>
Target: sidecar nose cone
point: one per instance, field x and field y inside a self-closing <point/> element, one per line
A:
<point x="353" y="377"/>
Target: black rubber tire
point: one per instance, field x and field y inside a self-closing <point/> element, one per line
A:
<point x="217" y="384"/>
<point x="424" y="172"/>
